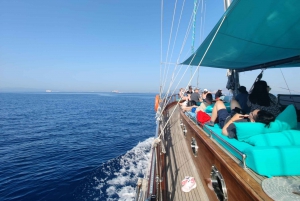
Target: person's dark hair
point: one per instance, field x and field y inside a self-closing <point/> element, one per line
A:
<point x="260" y="94"/>
<point x="209" y="97"/>
<point x="191" y="103"/>
<point x="242" y="89"/>
<point x="264" y="117"/>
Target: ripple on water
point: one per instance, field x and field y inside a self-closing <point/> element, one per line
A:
<point x="51" y="143"/>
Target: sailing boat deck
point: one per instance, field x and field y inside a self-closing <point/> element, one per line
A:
<point x="210" y="161"/>
<point x="247" y="176"/>
<point x="179" y="163"/>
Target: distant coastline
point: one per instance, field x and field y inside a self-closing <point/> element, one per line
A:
<point x="35" y="90"/>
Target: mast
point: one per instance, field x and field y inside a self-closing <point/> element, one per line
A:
<point x="226" y="4"/>
<point x="234" y="72"/>
<point x="193" y="35"/>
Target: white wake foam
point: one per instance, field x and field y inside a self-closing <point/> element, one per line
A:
<point x="134" y="164"/>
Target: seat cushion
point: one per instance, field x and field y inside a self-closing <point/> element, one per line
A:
<point x="261" y="158"/>
<point x="284" y="138"/>
<point x="286" y="120"/>
<point x="274" y="161"/>
<point x="288" y="117"/>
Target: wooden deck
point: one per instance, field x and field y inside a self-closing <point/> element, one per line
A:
<point x="179" y="163"/>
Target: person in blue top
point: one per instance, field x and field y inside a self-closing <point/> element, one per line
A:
<point x="242" y="99"/>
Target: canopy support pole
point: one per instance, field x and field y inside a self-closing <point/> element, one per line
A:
<point x="235" y="73"/>
<point x="236" y="83"/>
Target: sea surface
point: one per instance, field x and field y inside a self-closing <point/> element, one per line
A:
<point x="74" y="146"/>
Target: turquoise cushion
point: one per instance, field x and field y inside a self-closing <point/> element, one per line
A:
<point x="284" y="138"/>
<point x="245" y="130"/>
<point x="286" y="120"/>
<point x="288" y="117"/>
<point x="274" y="161"/>
<point x="264" y="160"/>
<point x="227" y="105"/>
<point x="209" y="108"/>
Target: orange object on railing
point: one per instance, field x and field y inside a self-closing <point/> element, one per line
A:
<point x="157" y="100"/>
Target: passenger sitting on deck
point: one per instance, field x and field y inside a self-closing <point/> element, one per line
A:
<point x="189" y="106"/>
<point x="218" y="94"/>
<point x="261" y="99"/>
<point x="242" y="99"/>
<point x="208" y="103"/>
<point x="195" y="96"/>
<point x="226" y="119"/>
<point x="203" y="95"/>
<point x="182" y="94"/>
<point x="189" y="92"/>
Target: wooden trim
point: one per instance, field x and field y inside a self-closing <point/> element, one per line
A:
<point x="240" y="185"/>
<point x="158" y="173"/>
<point x="163" y="176"/>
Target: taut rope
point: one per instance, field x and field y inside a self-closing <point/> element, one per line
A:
<point x="194" y="73"/>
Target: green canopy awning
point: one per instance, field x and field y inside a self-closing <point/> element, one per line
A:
<point x="255" y="34"/>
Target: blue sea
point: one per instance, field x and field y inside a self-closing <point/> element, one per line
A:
<point x="74" y="146"/>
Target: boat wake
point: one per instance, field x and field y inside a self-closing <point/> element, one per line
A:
<point x="116" y="179"/>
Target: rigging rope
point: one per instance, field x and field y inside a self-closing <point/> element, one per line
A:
<point x="194" y="25"/>
<point x="193" y="74"/>
<point x="170" y="37"/>
<point x="285" y="82"/>
<point x="202" y="20"/>
<point x="166" y="100"/>
<point x="161" y="41"/>
<point x="175" y="39"/>
<point x="202" y="25"/>
<point x="258" y="78"/>
<point x="185" y="39"/>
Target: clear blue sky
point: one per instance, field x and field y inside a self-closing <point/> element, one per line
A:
<point x="98" y="45"/>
